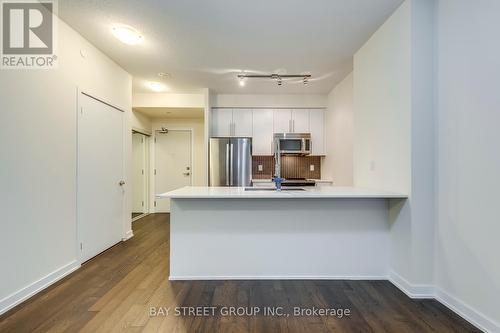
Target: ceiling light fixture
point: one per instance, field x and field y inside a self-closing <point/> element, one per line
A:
<point x="242" y="81"/>
<point x="163" y="75"/>
<point x="127" y="35"/>
<point x="278" y="77"/>
<point x="157" y="86"/>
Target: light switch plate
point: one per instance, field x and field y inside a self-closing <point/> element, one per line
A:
<point x="260" y="167"/>
<point x="311" y="167"/>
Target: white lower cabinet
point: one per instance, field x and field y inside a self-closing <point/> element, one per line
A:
<point x="262" y="143"/>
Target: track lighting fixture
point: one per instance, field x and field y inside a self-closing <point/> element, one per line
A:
<point x="279" y="78"/>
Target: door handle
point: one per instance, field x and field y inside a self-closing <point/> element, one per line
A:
<point x="227" y="164"/>
<point x="121" y="183"/>
<point x="231" y="165"/>
<point x="186" y="173"/>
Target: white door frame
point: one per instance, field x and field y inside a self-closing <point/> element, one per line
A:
<point x="147" y="173"/>
<point x="153" y="162"/>
<point x="126" y="234"/>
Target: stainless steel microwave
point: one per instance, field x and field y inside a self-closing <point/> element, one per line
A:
<point x="293" y="143"/>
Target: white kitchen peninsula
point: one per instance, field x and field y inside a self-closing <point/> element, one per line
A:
<point x="320" y="233"/>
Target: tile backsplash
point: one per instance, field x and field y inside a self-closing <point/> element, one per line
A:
<point x="291" y="167"/>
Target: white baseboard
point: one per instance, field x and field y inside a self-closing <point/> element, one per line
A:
<point x="129" y="234"/>
<point x="140" y="217"/>
<point x="273" y="277"/>
<point x="23" y="294"/>
<point x="474" y="317"/>
<point x="416" y="291"/>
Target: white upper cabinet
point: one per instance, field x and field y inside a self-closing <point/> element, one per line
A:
<point x="282" y="121"/>
<point x="291" y="121"/>
<point x="317" y="129"/>
<point x="222" y="122"/>
<point x="242" y="122"/>
<point x="232" y="122"/>
<point x="261" y="124"/>
<point x="300" y="121"/>
<point x="262" y="132"/>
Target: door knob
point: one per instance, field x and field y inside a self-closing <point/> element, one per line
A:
<point x="121" y="183"/>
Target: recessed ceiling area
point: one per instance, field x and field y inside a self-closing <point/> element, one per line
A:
<point x="171" y="113"/>
<point x="206" y="44"/>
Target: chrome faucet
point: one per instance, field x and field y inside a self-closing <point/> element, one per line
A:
<point x="277" y="165"/>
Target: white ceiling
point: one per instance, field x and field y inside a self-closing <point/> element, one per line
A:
<point x="169" y="113"/>
<point x="205" y="43"/>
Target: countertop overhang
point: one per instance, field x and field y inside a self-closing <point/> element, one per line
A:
<point x="324" y="192"/>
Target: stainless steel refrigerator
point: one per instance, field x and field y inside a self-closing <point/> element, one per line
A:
<point x="230" y="161"/>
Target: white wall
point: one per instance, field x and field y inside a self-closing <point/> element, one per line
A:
<point x="141" y="122"/>
<point x="168" y="100"/>
<point x="393" y="134"/>
<point x="38" y="168"/>
<point x="269" y="101"/>
<point x="468" y="159"/>
<point x="199" y="156"/>
<point x="338" y="162"/>
<point x="382" y="103"/>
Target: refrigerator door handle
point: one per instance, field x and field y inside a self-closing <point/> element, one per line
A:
<point x="231" y="165"/>
<point x="227" y="164"/>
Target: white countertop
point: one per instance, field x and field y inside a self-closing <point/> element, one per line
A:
<point x="269" y="180"/>
<point x="333" y="192"/>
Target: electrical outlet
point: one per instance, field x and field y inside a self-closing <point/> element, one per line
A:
<point x="260" y="167"/>
<point x="311" y="167"/>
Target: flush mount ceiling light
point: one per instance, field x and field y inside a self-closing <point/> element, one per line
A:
<point x="127" y="34"/>
<point x="277" y="77"/>
<point x="164" y="75"/>
<point x="157" y="86"/>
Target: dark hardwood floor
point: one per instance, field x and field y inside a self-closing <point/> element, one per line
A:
<point x="116" y="291"/>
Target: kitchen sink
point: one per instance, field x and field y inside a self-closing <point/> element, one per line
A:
<point x="273" y="189"/>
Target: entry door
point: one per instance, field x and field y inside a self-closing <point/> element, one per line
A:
<point x="172" y="164"/>
<point x="100" y="189"/>
<point x="138" y="173"/>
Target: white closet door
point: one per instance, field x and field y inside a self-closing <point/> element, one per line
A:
<point x="282" y="121"/>
<point x="242" y="122"/>
<point x="300" y="121"/>
<point x="100" y="194"/>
